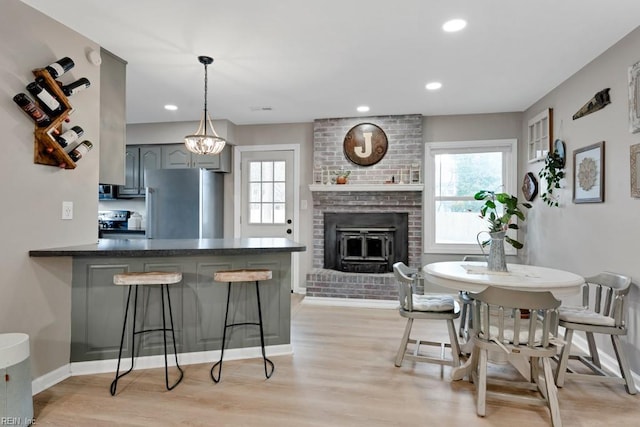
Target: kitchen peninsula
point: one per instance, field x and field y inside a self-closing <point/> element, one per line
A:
<point x="198" y="302"/>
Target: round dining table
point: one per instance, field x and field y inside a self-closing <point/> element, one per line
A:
<point x="474" y="277"/>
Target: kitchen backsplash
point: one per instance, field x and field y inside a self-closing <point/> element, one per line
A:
<point x="133" y="205"/>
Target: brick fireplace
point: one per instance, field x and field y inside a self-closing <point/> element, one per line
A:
<point x="364" y="195"/>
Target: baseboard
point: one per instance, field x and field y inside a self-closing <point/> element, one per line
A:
<point x="350" y="302"/>
<point x="50" y="379"/>
<point x="148" y="362"/>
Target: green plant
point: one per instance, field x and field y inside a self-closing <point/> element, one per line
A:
<point x="341" y="176"/>
<point x="501" y="221"/>
<point x="552" y="173"/>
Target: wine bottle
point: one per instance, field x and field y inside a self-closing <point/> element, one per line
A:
<point x="69" y="136"/>
<point x="83" y="148"/>
<point x="75" y="87"/>
<point x="60" y="67"/>
<point x="31" y="108"/>
<point x="47" y="101"/>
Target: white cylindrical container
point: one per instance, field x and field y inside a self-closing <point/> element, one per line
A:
<point x="16" y="405"/>
<point x="134" y="222"/>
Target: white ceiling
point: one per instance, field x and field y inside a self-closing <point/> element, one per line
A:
<point x="310" y="60"/>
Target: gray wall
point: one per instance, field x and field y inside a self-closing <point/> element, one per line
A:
<point x="295" y="133"/>
<point x="589" y="238"/>
<point x="35" y="294"/>
<point x="469" y="128"/>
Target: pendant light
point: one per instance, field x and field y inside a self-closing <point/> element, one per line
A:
<point x="202" y="142"/>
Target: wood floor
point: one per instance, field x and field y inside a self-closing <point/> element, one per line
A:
<point x="341" y="374"/>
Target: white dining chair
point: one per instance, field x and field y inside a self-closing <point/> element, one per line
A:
<point x="429" y="307"/>
<point x="602" y="312"/>
<point x="499" y="325"/>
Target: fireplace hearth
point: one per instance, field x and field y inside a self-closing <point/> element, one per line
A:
<point x="360" y="242"/>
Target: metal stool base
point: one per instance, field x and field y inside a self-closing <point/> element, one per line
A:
<point x="164" y="289"/>
<point x="267" y="362"/>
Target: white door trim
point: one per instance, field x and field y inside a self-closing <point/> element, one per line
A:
<point x="237" y="191"/>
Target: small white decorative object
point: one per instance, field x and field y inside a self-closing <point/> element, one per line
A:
<point x="94" y="57"/>
<point x="414" y="175"/>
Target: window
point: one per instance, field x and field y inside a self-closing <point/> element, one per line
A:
<point x="267" y="192"/>
<point x="454" y="172"/>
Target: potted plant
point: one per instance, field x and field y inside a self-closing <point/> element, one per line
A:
<point x="499" y="223"/>
<point x="341" y="176"/>
<point x="502" y="221"/>
<point x="552" y="173"/>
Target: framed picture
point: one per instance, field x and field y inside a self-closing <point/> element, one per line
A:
<point x="635" y="173"/>
<point x="540" y="136"/>
<point x="634" y="98"/>
<point x="588" y="179"/>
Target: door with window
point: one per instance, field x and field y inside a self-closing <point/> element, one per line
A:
<point x="267" y="194"/>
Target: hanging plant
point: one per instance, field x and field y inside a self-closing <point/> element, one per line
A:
<point x="552" y="173"/>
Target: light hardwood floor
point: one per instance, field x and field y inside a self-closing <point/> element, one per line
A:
<point x="341" y="374"/>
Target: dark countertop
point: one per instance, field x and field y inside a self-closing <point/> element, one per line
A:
<point x="173" y="247"/>
<point x="112" y="233"/>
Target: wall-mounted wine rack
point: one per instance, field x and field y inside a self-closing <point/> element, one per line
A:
<point x="47" y="151"/>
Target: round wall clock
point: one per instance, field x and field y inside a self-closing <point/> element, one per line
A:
<point x="530" y="186"/>
<point x="365" y="144"/>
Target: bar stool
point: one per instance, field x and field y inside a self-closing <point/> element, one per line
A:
<point x="237" y="276"/>
<point x="134" y="280"/>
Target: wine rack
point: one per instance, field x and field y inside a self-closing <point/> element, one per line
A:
<point x="47" y="151"/>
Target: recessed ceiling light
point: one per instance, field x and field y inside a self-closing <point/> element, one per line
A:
<point x="433" y="86"/>
<point x="170" y="107"/>
<point x="454" y="25"/>
<point x="363" y="109"/>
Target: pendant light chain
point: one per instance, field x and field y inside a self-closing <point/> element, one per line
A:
<point x="206" y="84"/>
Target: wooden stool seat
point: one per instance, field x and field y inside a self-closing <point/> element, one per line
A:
<point x="133" y="281"/>
<point x="245" y="275"/>
<point x="235" y="276"/>
<point x="147" y="278"/>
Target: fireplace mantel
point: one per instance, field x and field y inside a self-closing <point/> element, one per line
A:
<point x="366" y="187"/>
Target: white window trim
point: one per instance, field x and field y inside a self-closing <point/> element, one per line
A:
<point x="510" y="173"/>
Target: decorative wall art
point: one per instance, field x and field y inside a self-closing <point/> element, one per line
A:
<point x="365" y="144"/>
<point x="540" y="135"/>
<point x="635" y="173"/>
<point x="588" y="179"/>
<point x="529" y="187"/>
<point x="634" y="98"/>
<point x="598" y="102"/>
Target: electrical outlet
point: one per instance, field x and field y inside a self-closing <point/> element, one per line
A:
<point x="67" y="210"/>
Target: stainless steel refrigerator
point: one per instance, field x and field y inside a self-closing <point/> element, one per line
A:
<point x="184" y="204"/>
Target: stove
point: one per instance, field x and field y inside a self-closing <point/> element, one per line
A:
<point x="113" y="220"/>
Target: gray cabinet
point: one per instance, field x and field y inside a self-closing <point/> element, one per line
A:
<point x="176" y="156"/>
<point x="112" y="117"/>
<point x="198" y="304"/>
<point x="138" y="159"/>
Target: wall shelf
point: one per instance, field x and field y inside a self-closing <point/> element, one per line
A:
<point x="366" y="187"/>
<point x="46" y="150"/>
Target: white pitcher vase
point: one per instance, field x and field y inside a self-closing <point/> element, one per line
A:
<point x="496" y="259"/>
